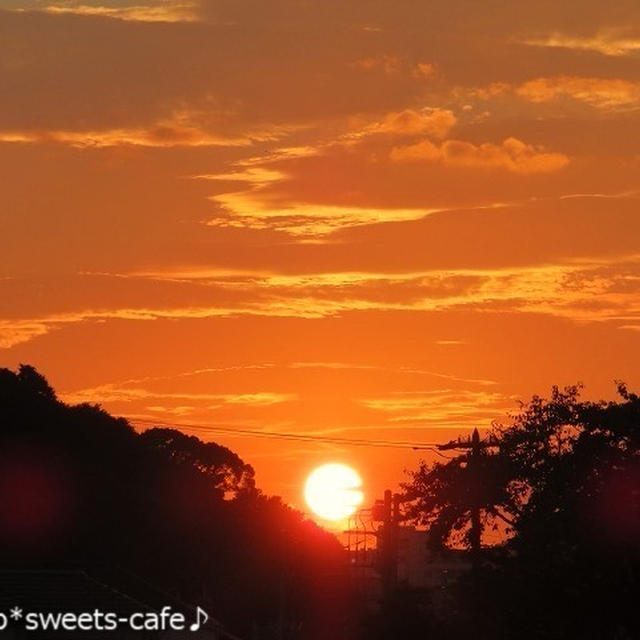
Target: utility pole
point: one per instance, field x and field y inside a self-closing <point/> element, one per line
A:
<point x="475" y="446"/>
<point x="388" y="546"/>
<point x="388" y="512"/>
<point x="476" y="526"/>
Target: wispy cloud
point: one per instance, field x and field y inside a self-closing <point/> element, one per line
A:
<point x="512" y="155"/>
<point x="579" y="291"/>
<point x="428" y="121"/>
<point x="442" y="407"/>
<point x="162" y="11"/>
<point x="600" y="92"/>
<point x="609" y="42"/>
<point x="126" y="393"/>
<point x="247" y="210"/>
<point x="165" y="135"/>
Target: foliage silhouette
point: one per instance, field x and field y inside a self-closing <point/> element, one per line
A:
<point x="80" y="488"/>
<point x="563" y="486"/>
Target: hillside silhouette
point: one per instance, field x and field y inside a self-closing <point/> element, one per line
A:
<point x="81" y="490"/>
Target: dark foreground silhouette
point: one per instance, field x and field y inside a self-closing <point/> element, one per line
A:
<point x="91" y="510"/>
<point x="562" y="485"/>
<point x="82" y="492"/>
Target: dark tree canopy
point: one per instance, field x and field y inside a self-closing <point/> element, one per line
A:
<point x="227" y="472"/>
<point x="562" y="483"/>
<point x="555" y="452"/>
<point x="80" y="488"/>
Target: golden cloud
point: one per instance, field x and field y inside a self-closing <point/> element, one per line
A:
<point x="13" y="332"/>
<point x="162" y="135"/>
<point x="425" y="70"/>
<point x="512" y="155"/>
<point x="388" y="64"/>
<point x="441" y="407"/>
<point x="281" y="191"/>
<point x="600" y="92"/>
<point x="597" y="291"/>
<point x="253" y="208"/>
<point x="161" y="12"/>
<point x="609" y="42"/>
<point x="127" y="393"/>
<point x="245" y="210"/>
<point x="430" y="122"/>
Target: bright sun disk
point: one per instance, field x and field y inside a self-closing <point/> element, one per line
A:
<point x="333" y="491"/>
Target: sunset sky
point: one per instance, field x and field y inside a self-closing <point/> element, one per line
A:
<point x="359" y="219"/>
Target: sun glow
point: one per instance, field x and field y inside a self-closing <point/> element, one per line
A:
<point x="333" y="491"/>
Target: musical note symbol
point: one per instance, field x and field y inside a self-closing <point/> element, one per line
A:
<point x="200" y="614"/>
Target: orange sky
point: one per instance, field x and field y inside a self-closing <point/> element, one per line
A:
<point x="362" y="219"/>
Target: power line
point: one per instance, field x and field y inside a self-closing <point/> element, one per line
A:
<point x="277" y="435"/>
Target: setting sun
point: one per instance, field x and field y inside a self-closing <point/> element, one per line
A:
<point x="333" y="491"/>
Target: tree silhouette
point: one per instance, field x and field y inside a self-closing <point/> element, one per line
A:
<point x="443" y="495"/>
<point x="228" y="473"/>
<point x="564" y="477"/>
<point x="81" y="489"/>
